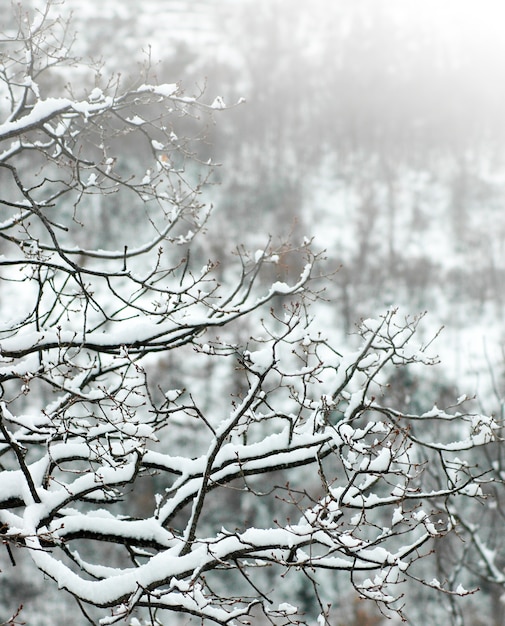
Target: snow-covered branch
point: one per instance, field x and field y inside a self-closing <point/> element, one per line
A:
<point x="143" y="387"/>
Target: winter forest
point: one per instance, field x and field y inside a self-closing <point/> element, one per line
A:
<point x="252" y="272"/>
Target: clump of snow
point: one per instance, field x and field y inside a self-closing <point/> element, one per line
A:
<point x="92" y="180"/>
<point x="258" y="255"/>
<point x="165" y="90"/>
<point x="218" y="103"/>
<point x="397" y="516"/>
<point x="136" y="120"/>
<point x="173" y="394"/>
<point x="96" y="94"/>
<point x="259" y="361"/>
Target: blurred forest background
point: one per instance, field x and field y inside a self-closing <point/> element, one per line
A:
<point x="375" y="127"/>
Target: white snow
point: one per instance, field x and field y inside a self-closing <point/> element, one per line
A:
<point x="165" y="90"/>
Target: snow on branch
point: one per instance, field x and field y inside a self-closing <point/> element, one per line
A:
<point x="190" y="416"/>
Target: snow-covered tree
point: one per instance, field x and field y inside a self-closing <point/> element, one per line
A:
<point x="130" y="479"/>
